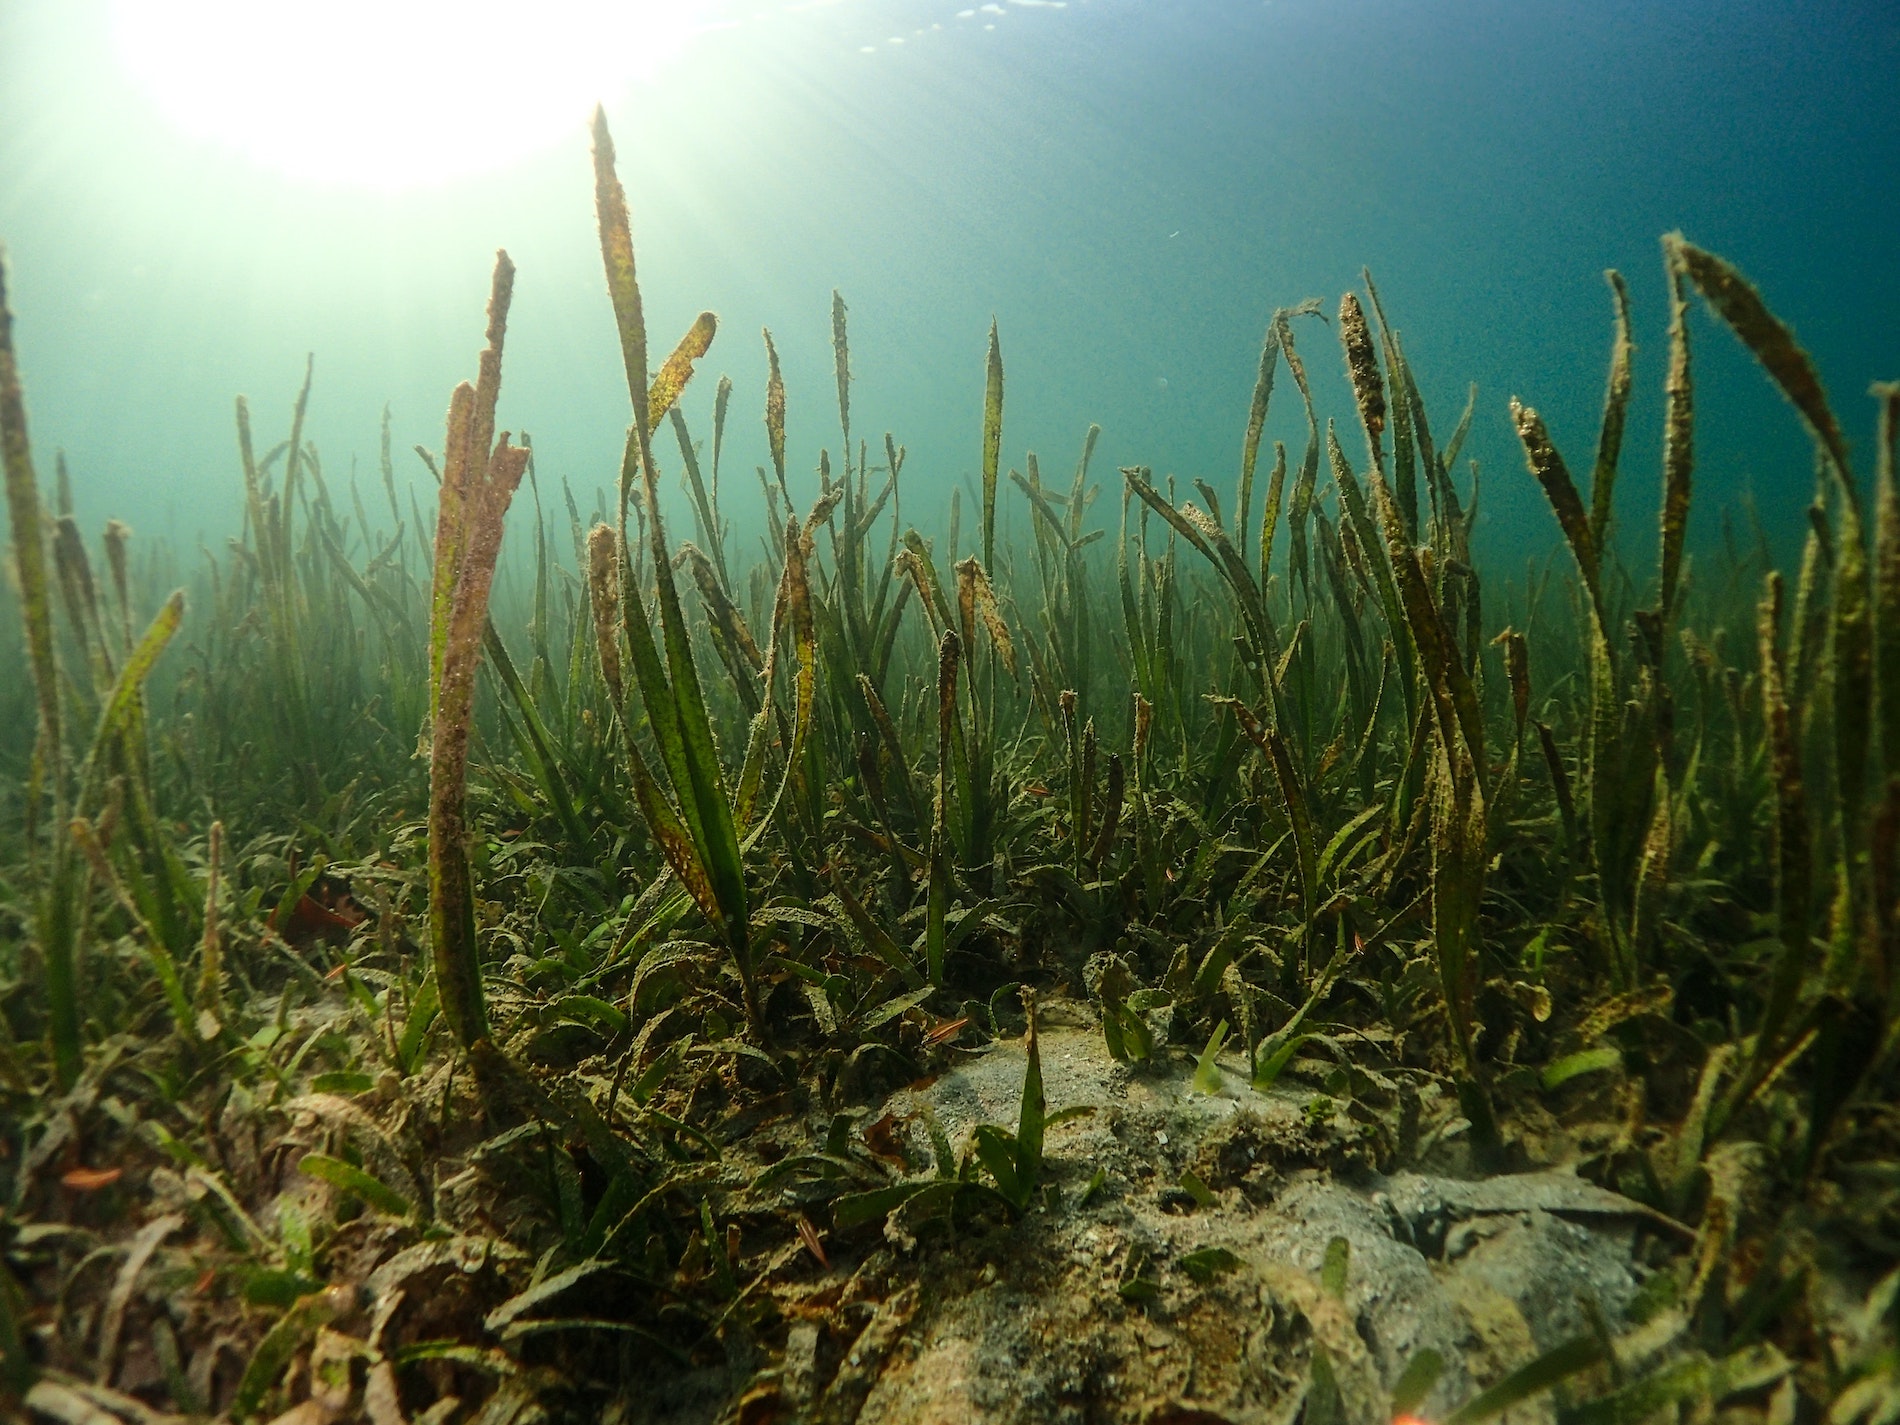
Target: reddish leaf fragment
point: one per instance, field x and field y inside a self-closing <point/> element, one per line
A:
<point x="91" y="1179"/>
<point x="809" y="1236"/>
<point x="946" y="1031"/>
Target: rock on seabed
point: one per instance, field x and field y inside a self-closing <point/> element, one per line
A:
<point x="1028" y="1323"/>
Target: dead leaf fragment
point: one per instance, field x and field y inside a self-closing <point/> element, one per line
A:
<point x="90" y="1179"/>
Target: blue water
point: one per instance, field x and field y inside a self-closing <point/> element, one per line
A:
<point x="1130" y="186"/>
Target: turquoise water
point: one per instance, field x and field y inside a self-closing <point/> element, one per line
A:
<point x="1129" y="186"/>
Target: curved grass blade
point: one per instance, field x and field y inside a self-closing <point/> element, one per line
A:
<point x="1292" y="797"/>
<point x="1250" y="444"/>
<point x="210" y="997"/>
<point x="1373" y="548"/>
<point x="795" y="610"/>
<point x="1032" y="1116"/>
<point x="722" y="399"/>
<point x="992" y="443"/>
<point x="352" y="1179"/>
<point x="1793" y="853"/>
<point x="1605" y="764"/>
<point x="1578" y="525"/>
<point x="122" y="702"/>
<point x="949" y="654"/>
<point x="1557" y="1364"/>
<point x="616" y="251"/>
<point x="271" y="1359"/>
<point x="1887" y="572"/>
<point x="1733" y="298"/>
<point x="29" y="554"/>
<point x="1616" y="399"/>
<point x="678" y="369"/>
<point x="1270" y="511"/>
<point x="775" y="411"/>
<point x="1415" y="1382"/>
<point x="1362" y="367"/>
<point x="841" y="361"/>
<point x="1678" y="438"/>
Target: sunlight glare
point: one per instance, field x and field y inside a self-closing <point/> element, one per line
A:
<point x="391" y="93"/>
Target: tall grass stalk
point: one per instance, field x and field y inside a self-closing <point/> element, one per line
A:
<point x="480" y="473"/>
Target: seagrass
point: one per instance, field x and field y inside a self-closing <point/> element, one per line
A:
<point x="992" y="442"/>
<point x="733" y="827"/>
<point x="479" y="477"/>
<point x="29" y="554"/>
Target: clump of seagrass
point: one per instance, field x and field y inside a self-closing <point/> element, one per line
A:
<point x="113" y="777"/>
<point x="479" y="476"/>
<point x="29" y="549"/>
<point x="29" y="562"/>
<point x="1638" y="789"/>
<point x="698" y="828"/>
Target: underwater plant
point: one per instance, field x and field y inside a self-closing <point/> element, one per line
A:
<point x="697" y="828"/>
<point x="113" y="782"/>
<point x="479" y="474"/>
<point x="724" y="859"/>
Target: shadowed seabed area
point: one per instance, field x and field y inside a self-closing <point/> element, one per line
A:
<point x="1115" y="742"/>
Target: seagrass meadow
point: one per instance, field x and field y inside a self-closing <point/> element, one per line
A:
<point x="419" y="1003"/>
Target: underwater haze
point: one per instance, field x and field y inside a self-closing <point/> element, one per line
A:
<point x="1129" y="186"/>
